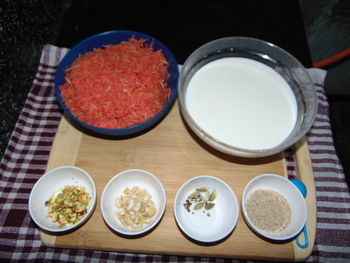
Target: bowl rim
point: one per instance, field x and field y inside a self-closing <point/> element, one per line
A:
<point x="233" y="195"/>
<point x="234" y="150"/>
<point x="75" y="49"/>
<point x="159" y="215"/>
<point x="265" y="234"/>
<point x="81" y="221"/>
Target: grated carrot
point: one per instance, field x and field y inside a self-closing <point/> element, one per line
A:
<point x="117" y="86"/>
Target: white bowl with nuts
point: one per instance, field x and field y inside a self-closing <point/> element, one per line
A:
<point x="274" y="207"/>
<point x="133" y="202"/>
<point x="206" y="209"/>
<point x="62" y="199"/>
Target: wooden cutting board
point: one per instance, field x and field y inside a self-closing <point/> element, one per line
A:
<point x="174" y="154"/>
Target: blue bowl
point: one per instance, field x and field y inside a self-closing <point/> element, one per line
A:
<point x="112" y="38"/>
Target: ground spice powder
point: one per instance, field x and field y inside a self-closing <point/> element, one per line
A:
<point x="268" y="210"/>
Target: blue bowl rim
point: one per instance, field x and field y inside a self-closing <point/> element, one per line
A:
<point x="130" y="129"/>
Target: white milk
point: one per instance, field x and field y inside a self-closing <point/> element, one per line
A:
<point x="242" y="102"/>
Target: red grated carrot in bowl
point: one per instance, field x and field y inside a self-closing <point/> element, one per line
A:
<point x="117" y="86"/>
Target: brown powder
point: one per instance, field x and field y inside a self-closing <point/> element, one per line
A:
<point x="268" y="210"/>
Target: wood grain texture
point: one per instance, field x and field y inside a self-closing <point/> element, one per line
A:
<point x="174" y="154"/>
<point x="305" y="174"/>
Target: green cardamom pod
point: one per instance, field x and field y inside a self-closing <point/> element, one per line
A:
<point x="209" y="206"/>
<point x="212" y="196"/>
<point x="198" y="206"/>
<point x="203" y="197"/>
<point x="193" y="195"/>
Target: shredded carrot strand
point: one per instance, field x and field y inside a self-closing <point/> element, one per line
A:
<point x="117" y="86"/>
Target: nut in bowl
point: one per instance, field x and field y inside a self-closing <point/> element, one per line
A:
<point x="273" y="207"/>
<point x="133" y="202"/>
<point x="62" y="199"/>
<point x="117" y="83"/>
<point x="206" y="209"/>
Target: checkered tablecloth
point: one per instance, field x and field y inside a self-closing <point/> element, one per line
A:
<point x="27" y="154"/>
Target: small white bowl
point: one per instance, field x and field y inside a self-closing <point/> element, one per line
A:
<point x="116" y="186"/>
<point x="222" y="218"/>
<point x="290" y="192"/>
<point x="50" y="184"/>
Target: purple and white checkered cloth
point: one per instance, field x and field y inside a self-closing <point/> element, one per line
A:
<point x="27" y="154"/>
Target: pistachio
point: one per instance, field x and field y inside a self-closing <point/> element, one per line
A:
<point x="65" y="208"/>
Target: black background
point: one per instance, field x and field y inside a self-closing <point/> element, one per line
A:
<point x="183" y="26"/>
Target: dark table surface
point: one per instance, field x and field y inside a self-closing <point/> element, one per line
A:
<point x="185" y="25"/>
<point x="181" y="25"/>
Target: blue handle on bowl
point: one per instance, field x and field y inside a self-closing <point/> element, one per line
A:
<point x="306" y="238"/>
<point x="302" y="188"/>
<point x="300" y="185"/>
